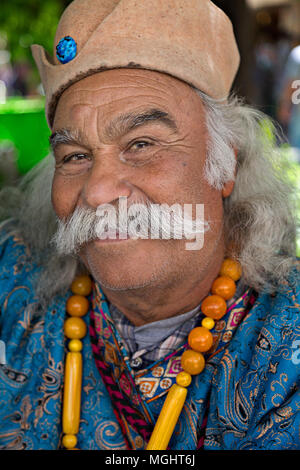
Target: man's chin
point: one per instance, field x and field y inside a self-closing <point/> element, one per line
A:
<point x="119" y="286"/>
<point x="114" y="270"/>
<point x="130" y="265"/>
<point x="120" y="279"/>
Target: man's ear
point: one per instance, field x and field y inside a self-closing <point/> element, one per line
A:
<point x="228" y="187"/>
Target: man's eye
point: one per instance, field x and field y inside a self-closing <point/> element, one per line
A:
<point x="74" y="158"/>
<point x="139" y="145"/>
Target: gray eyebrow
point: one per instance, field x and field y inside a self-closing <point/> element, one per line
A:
<point x="64" y="136"/>
<point x="120" y="126"/>
<point x="127" y="122"/>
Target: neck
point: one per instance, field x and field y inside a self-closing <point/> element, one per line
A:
<point x="166" y="300"/>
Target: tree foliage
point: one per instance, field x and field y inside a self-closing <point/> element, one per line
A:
<point x="23" y="23"/>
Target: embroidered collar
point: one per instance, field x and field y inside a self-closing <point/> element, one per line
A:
<point x="152" y="342"/>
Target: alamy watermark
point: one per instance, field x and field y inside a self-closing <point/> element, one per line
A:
<point x="2" y="353"/>
<point x="296" y="353"/>
<point x="152" y="221"/>
<point x="296" y="94"/>
<point x="137" y="221"/>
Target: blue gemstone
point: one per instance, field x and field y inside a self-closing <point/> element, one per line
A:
<point x="66" y="49"/>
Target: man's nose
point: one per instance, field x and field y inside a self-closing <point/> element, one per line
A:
<point x="105" y="184"/>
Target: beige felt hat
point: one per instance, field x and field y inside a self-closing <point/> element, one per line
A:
<point x="191" y="40"/>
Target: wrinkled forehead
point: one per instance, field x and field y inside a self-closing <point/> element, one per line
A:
<point x="124" y="91"/>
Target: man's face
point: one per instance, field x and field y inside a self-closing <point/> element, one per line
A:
<point x="139" y="134"/>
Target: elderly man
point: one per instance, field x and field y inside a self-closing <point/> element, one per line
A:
<point x="118" y="338"/>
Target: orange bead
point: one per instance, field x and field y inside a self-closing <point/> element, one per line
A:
<point x="224" y="287"/>
<point x="214" y="307"/>
<point x="77" y="306"/>
<point x="75" y="328"/>
<point x="82" y="285"/>
<point x="231" y="268"/>
<point x="192" y="362"/>
<point x="200" y="339"/>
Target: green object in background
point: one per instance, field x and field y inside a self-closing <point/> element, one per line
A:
<point x="23" y="122"/>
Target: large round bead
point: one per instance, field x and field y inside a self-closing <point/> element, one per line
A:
<point x="200" y="339"/>
<point x="82" y="285"/>
<point x="231" y="268"/>
<point x="75" y="328"/>
<point x="214" y="307"/>
<point x="77" y="306"/>
<point x="224" y="287"/>
<point x="192" y="362"/>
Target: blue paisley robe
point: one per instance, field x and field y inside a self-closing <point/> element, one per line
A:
<point x="248" y="394"/>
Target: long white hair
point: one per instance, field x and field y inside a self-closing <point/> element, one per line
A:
<point x="259" y="215"/>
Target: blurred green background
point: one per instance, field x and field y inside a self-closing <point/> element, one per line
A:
<point x="22" y="121"/>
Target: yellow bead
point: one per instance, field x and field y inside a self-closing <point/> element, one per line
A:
<point x="231" y="268"/>
<point x="208" y="323"/>
<point x="168" y="418"/>
<point x="69" y="441"/>
<point x="82" y="285"/>
<point x="75" y="328"/>
<point x="75" y="345"/>
<point x="183" y="379"/>
<point x="72" y="393"/>
<point x="77" y="306"/>
<point x="192" y="362"/>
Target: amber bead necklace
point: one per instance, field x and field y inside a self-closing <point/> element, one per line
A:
<point x="200" y="340"/>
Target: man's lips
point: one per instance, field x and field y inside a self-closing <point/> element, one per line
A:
<point x="114" y="238"/>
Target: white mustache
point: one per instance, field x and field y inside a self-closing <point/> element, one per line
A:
<point x="140" y="220"/>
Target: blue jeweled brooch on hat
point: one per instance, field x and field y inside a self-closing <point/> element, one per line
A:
<point x="66" y="49"/>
